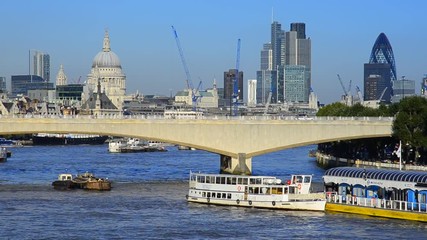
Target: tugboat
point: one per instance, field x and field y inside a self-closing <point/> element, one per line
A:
<point x="82" y="181"/>
<point x="64" y="182"/>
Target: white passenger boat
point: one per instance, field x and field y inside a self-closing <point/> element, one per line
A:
<point x="115" y="145"/>
<point x="255" y="191"/>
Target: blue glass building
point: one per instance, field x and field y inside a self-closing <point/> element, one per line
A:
<point x="380" y="72"/>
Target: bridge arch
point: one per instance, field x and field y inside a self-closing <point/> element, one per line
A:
<point x="236" y="140"/>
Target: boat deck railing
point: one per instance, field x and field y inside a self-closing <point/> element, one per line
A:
<point x="333" y="197"/>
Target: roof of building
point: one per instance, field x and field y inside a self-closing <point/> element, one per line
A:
<point x="182" y="93"/>
<point x="379" y="174"/>
<point x="106" y="58"/>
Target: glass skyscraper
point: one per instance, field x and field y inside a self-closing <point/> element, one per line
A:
<point x="380" y="71"/>
<point x="383" y="53"/>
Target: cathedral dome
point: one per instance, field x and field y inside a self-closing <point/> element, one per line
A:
<point x="106" y="58"/>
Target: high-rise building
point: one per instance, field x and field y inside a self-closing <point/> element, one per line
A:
<point x="3" y="84"/>
<point x="381" y="68"/>
<point x="299" y="28"/>
<point x="267" y="57"/>
<point x="41" y="63"/>
<point x="266" y="82"/>
<point x="252" y="86"/>
<point x="229" y="78"/>
<point x="277" y="35"/>
<point x="402" y="88"/>
<point x="297" y="84"/>
<point x="382" y="52"/>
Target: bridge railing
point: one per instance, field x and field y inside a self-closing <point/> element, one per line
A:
<point x="216" y="117"/>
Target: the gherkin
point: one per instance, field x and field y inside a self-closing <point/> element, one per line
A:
<point x="383" y="53"/>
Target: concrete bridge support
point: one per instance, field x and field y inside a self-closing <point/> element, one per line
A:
<point x="239" y="166"/>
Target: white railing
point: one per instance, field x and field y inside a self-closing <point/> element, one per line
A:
<point x="376" y="203"/>
<point x="219" y="117"/>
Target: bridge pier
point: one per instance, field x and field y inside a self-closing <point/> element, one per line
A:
<point x="239" y="166"/>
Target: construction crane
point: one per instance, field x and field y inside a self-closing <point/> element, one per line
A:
<point x="342" y="84"/>
<point x="194" y="95"/>
<point x="347" y="98"/>
<point x="235" y="95"/>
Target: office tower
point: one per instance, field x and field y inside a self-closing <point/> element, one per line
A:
<point x="297" y="84"/>
<point x="3" y="85"/>
<point x="402" y="88"/>
<point x="382" y="52"/>
<point x="266" y="82"/>
<point x="229" y="78"/>
<point x="276" y="43"/>
<point x="381" y="68"/>
<point x="20" y="84"/>
<point x="41" y="63"/>
<point x="299" y="28"/>
<point x="267" y="57"/>
<point x="252" y="87"/>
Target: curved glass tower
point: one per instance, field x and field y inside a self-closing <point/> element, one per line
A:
<point x="383" y="53"/>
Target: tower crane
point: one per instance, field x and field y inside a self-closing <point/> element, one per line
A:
<point x="348" y="99"/>
<point x="194" y="92"/>
<point x="235" y="94"/>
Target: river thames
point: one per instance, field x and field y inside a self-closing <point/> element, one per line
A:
<point x="148" y="200"/>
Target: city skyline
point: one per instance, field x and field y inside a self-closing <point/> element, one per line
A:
<point x="342" y="36"/>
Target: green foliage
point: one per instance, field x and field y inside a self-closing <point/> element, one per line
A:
<point x="410" y="124"/>
<point x="357" y="110"/>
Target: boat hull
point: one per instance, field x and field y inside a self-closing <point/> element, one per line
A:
<point x="64" y="185"/>
<point x="46" y="140"/>
<point x="376" y="212"/>
<point x="314" y="205"/>
<point x="98" y="185"/>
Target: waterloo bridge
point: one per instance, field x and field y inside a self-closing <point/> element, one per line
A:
<point x="236" y="140"/>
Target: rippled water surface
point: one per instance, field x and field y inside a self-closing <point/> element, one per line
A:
<point x="148" y="200"/>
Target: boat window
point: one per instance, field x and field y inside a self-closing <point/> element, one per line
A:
<point x="245" y="181"/>
<point x="239" y="180"/>
<point x="291" y="190"/>
<point x="251" y="190"/>
<point x="203" y="194"/>
<point x="285" y="190"/>
<point x="223" y="195"/>
<point x="201" y="179"/>
<point x="307" y="179"/>
<point x="229" y="195"/>
<point x="252" y="181"/>
<point x="208" y="179"/>
<point x="218" y="180"/>
<point x="228" y="180"/>
<point x="233" y="181"/>
<point x="265" y="190"/>
<point x="298" y="179"/>
<point x="222" y="180"/>
<point x="209" y="194"/>
<point x="256" y="190"/>
<point x="258" y="181"/>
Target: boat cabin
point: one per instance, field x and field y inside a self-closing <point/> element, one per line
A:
<point x="65" y="177"/>
<point x="250" y="185"/>
<point x="351" y="183"/>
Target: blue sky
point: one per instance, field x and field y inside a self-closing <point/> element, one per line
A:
<point x="342" y="33"/>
